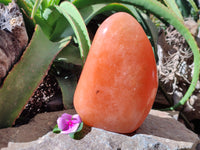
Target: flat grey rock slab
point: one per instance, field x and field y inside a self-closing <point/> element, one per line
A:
<point x="159" y="131"/>
<point x="100" y="140"/>
<point x="161" y="124"/>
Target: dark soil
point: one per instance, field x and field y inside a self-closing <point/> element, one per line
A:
<point x="47" y="98"/>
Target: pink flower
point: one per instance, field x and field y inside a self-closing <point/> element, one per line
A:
<point x="68" y="123"/>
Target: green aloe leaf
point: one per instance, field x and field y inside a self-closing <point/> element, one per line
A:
<point x="65" y="20"/>
<point x="46" y="3"/>
<point x="92" y="10"/>
<point x="184" y="7"/>
<point x="194" y="6"/>
<point x="162" y="12"/>
<point x="52" y="21"/>
<point x="64" y="64"/>
<point x="188" y="8"/>
<point x="40" y="6"/>
<point x="31" y="7"/>
<point x="72" y="15"/>
<point x="26" y="76"/>
<point x="35" y="7"/>
<point x="70" y="54"/>
<point x="173" y="6"/>
<point x="25" y="7"/>
<point x="34" y="10"/>
<point x="68" y="86"/>
<point x="153" y="32"/>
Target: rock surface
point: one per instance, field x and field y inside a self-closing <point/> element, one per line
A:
<point x="100" y="140"/>
<point x="162" y="125"/>
<point x="13" y="37"/>
<point x="159" y="131"/>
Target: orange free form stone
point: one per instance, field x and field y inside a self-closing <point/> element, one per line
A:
<point x="118" y="84"/>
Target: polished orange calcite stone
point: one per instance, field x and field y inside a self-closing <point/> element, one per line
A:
<point x="118" y="84"/>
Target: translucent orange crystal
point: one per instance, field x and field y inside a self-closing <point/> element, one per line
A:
<point x="119" y="82"/>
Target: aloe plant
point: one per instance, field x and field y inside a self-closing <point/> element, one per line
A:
<point x="55" y="23"/>
<point x="188" y="8"/>
<point x="25" y="77"/>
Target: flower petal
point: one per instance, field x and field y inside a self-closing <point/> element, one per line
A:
<point x="61" y="123"/>
<point x="71" y="130"/>
<point x="68" y="123"/>
<point x="66" y="116"/>
<point x="76" y="119"/>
